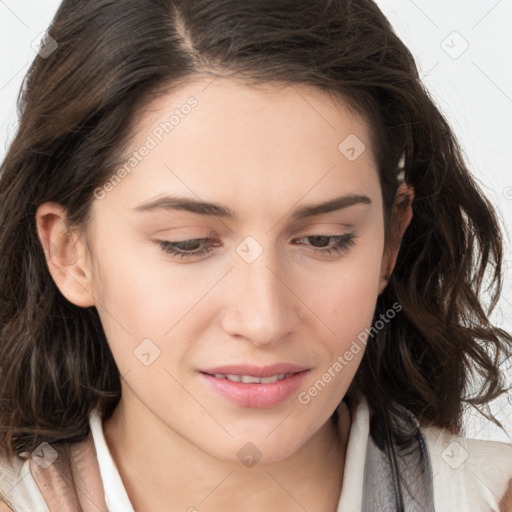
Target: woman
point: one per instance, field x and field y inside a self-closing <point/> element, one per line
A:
<point x="241" y="261"/>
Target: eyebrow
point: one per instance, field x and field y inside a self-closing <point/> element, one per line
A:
<point x="218" y="210"/>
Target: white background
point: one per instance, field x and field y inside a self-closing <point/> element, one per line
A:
<point x="473" y="89"/>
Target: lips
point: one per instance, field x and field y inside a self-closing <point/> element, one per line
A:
<point x="254" y="386"/>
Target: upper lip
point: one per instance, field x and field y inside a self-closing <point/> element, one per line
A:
<point x="256" y="371"/>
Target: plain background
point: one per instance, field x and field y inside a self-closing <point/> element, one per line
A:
<point x="462" y="50"/>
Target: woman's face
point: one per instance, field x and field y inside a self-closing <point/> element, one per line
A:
<point x="274" y="286"/>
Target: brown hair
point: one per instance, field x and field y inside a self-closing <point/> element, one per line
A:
<point x="76" y="110"/>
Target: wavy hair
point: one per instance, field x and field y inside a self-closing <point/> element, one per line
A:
<point x="76" y="110"/>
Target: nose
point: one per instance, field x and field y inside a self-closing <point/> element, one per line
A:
<point x="260" y="305"/>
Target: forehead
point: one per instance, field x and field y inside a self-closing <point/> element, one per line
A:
<point x="233" y="108"/>
<point x="271" y="144"/>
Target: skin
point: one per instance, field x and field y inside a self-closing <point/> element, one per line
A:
<point x="263" y="152"/>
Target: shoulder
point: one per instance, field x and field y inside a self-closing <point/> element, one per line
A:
<point x="18" y="491"/>
<point x="469" y="475"/>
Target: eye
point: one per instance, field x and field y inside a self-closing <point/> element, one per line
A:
<point x="341" y="243"/>
<point x="185" y="248"/>
<point x="331" y="245"/>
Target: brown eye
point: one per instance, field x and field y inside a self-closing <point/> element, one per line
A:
<point x="321" y="243"/>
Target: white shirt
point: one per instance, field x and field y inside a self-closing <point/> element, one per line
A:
<point x="470" y="475"/>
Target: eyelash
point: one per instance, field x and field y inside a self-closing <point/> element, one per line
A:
<point x="342" y="245"/>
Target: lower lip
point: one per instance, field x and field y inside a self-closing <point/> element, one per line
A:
<point x="260" y="396"/>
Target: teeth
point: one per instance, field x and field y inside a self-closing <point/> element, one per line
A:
<point x="274" y="378"/>
<point x="251" y="379"/>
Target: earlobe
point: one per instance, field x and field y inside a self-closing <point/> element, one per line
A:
<point x="65" y="254"/>
<point x="400" y="220"/>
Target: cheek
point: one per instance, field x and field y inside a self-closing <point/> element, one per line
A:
<point x="346" y="293"/>
<point x="130" y="300"/>
<point x="346" y="298"/>
<point x="346" y="307"/>
<point x="141" y="296"/>
<point x="133" y="286"/>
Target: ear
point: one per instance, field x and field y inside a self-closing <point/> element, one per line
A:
<point x="66" y="255"/>
<point x="400" y="219"/>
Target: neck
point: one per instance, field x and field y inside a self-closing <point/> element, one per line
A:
<point x="162" y="471"/>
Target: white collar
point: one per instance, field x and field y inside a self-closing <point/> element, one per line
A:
<point x="117" y="499"/>
<point x="353" y="475"/>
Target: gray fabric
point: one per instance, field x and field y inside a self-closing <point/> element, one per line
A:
<point x="383" y="490"/>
